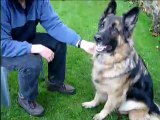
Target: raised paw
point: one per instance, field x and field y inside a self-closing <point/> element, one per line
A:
<point x="98" y="117"/>
<point x="91" y="104"/>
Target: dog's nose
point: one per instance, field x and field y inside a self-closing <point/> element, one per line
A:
<point x="98" y="38"/>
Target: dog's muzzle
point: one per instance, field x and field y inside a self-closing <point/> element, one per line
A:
<point x="100" y="48"/>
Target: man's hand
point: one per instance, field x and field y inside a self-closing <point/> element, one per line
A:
<point x="89" y="47"/>
<point x="43" y="51"/>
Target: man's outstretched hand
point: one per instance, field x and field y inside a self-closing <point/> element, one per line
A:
<point x="48" y="54"/>
<point x="87" y="46"/>
<point x="43" y="51"/>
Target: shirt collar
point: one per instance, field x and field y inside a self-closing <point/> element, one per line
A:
<point x="18" y="5"/>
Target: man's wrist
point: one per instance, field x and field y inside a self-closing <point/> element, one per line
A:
<point x="35" y="48"/>
<point x="79" y="44"/>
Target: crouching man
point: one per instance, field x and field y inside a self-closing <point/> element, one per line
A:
<point x="22" y="48"/>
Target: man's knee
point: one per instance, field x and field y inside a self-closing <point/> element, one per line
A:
<point x="61" y="47"/>
<point x="33" y="63"/>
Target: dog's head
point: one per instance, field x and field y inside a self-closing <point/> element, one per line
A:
<point x="114" y="30"/>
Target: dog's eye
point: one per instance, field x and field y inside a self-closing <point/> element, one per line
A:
<point x="114" y="27"/>
<point x="114" y="31"/>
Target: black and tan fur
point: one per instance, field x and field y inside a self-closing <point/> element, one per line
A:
<point x="119" y="75"/>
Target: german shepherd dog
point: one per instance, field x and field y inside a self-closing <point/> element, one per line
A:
<point x="119" y="75"/>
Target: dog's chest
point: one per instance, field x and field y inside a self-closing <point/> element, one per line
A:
<point x="108" y="78"/>
<point x="101" y="83"/>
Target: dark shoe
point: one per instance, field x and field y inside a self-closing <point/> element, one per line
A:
<point x="31" y="107"/>
<point x="64" y="88"/>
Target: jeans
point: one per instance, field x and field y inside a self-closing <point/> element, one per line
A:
<point x="29" y="66"/>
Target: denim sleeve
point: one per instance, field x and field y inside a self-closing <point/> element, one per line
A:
<point x="9" y="47"/>
<point x="55" y="27"/>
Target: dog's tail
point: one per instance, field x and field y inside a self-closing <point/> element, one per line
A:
<point x="155" y="109"/>
<point x="144" y="113"/>
<point x="155" y="112"/>
<point x="154" y="117"/>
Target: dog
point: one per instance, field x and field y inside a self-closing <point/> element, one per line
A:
<point x="119" y="74"/>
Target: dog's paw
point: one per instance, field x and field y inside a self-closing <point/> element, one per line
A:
<point x="89" y="104"/>
<point x="98" y="117"/>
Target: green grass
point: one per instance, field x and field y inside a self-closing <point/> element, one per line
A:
<point x="82" y="16"/>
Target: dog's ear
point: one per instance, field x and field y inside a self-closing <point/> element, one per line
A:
<point x="111" y="9"/>
<point x="129" y="21"/>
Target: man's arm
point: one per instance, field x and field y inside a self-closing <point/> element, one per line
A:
<point x="9" y="47"/>
<point x="54" y="26"/>
<point x="13" y="48"/>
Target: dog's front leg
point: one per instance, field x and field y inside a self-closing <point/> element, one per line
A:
<point x="97" y="99"/>
<point x="110" y="105"/>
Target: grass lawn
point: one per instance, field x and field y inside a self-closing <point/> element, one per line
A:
<point x="83" y="17"/>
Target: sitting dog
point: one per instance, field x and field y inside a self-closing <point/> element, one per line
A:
<point x="120" y="76"/>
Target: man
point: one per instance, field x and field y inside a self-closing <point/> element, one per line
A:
<point x="22" y="48"/>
